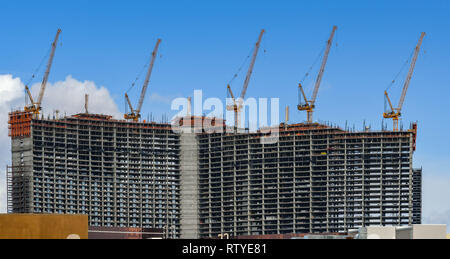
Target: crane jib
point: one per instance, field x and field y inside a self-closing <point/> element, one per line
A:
<point x="322" y="67"/>
<point x="135" y="114"/>
<point x="310" y="105"/>
<point x="147" y="79"/>
<point x="47" y="71"/>
<point x="410" y="72"/>
<point x="252" y="64"/>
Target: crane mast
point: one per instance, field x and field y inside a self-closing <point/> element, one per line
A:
<point x="35" y="107"/>
<point x="310" y="105"/>
<point x="395" y="113"/>
<point x="238" y="104"/>
<point x="136" y="114"/>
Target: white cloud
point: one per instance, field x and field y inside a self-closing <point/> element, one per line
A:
<point x="66" y="96"/>
<point x="11" y="91"/>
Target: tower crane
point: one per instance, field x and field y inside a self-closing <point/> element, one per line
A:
<point x="395" y="113"/>
<point x="35" y="107"/>
<point x="310" y="104"/>
<point x="237" y="104"/>
<point x="136" y="114"/>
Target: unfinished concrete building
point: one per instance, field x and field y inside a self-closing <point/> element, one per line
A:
<point x="315" y="179"/>
<point x="122" y="174"/>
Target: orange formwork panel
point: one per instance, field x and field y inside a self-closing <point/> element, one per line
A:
<point x="19" y="124"/>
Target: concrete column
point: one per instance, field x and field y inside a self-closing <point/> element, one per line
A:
<point x="189" y="186"/>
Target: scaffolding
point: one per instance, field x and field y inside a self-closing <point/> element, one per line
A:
<point x="9" y="189"/>
<point x="19" y="189"/>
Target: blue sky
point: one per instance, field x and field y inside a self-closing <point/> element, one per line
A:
<point x="205" y="42"/>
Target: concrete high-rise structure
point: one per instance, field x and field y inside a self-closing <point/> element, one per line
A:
<point x="315" y="179"/>
<point x="122" y="174"/>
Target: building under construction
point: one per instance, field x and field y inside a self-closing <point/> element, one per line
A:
<point x="122" y="174"/>
<point x="315" y="179"/>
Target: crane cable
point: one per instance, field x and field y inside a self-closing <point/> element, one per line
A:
<point x="309" y="71"/>
<point x="401" y="70"/>
<point x="244" y="63"/>
<point x="241" y="67"/>
<point x="138" y="76"/>
<point x="239" y="70"/>
<point x="312" y="66"/>
<point x="36" y="71"/>
<point x="395" y="79"/>
<point x="137" y="79"/>
<point x="134" y="83"/>
<point x="321" y="53"/>
<point x="398" y="74"/>
<point x="41" y="63"/>
<point x="140" y="73"/>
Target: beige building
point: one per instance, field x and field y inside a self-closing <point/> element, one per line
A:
<point x="424" y="231"/>
<point x="438" y="231"/>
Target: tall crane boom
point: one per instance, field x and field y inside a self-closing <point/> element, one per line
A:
<point x="136" y="114"/>
<point x="310" y="105"/>
<point x="395" y="113"/>
<point x="147" y="78"/>
<point x="47" y="71"/>
<point x="238" y="104"/>
<point x="410" y="72"/>
<point x="35" y="107"/>
<point x="252" y="64"/>
<point x="322" y="67"/>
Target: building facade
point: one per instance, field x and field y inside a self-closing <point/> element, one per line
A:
<point x="121" y="174"/>
<point x="315" y="179"/>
